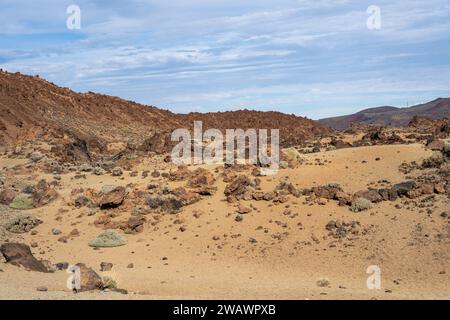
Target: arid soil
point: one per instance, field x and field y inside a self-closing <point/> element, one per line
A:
<point x="87" y="180"/>
<point x="216" y="232"/>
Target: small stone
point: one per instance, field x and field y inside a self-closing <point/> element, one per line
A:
<point x="42" y="289"/>
<point x="56" y="232"/>
<point x="99" y="171"/>
<point x="36" y="156"/>
<point x="116" y="172"/>
<point x="243" y="209"/>
<point x="106" y="266"/>
<point x="62" y="265"/>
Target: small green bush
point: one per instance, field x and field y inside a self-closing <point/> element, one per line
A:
<point x="22" y="201"/>
<point x="323" y="283"/>
<point x="22" y="223"/>
<point x="109" y="283"/>
<point x="108" y="239"/>
<point x="361" y="204"/>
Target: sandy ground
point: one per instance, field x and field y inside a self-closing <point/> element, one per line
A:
<point x="291" y="252"/>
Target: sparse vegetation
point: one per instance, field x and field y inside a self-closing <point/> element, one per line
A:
<point x="323" y="283"/>
<point x="109" y="283"/>
<point x="361" y="204"/>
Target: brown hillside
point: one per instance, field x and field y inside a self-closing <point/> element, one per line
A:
<point x="31" y="107"/>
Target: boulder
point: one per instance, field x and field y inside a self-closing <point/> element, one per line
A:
<point x="343" y="198"/>
<point x="426" y="188"/>
<point x="89" y="279"/>
<point x="243" y="209"/>
<point x="81" y="201"/>
<point x="388" y="194"/>
<point x="371" y="195"/>
<point x="19" y="254"/>
<point x="186" y="197"/>
<point x="402" y="189"/>
<point x="439" y="188"/>
<point x="135" y="224"/>
<point x="111" y="197"/>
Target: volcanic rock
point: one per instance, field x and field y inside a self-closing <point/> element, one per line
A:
<point x="20" y="255"/>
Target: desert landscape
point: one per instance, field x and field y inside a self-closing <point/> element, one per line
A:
<point x="87" y="180"/>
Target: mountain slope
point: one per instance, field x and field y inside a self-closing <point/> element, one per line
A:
<point x="436" y="109"/>
<point x="31" y="107"/>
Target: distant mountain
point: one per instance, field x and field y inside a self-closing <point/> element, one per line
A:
<point x="387" y="115"/>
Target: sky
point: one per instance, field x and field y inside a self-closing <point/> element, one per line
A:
<point x="315" y="58"/>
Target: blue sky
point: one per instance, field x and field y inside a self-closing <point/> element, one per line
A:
<point x="312" y="58"/>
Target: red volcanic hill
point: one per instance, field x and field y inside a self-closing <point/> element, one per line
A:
<point x="293" y="130"/>
<point x="33" y="108"/>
